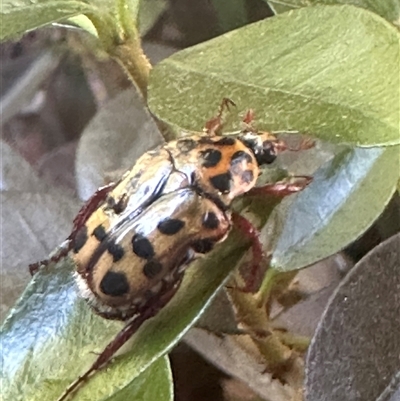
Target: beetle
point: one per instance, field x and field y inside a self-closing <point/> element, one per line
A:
<point x="132" y="241"/>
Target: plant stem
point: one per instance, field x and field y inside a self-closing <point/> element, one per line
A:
<point x="121" y="41"/>
<point x="264" y="292"/>
<point x="296" y="342"/>
<point x="132" y="59"/>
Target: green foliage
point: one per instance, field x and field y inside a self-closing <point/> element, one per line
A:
<point x="346" y="196"/>
<point x="107" y="16"/>
<point x="24" y="15"/>
<point x="330" y="71"/>
<point x="303" y="70"/>
<point x="388" y="9"/>
<point x="66" y="335"/>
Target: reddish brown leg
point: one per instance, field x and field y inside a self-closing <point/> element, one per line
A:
<point x="305" y="143"/>
<point x="249" y="117"/>
<point x="214" y="125"/>
<point x="251" y="232"/>
<point x="62" y="253"/>
<point x="123" y="336"/>
<point x="283" y="188"/>
<point x="88" y="208"/>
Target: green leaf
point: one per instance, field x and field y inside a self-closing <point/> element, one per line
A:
<point x="154" y="384"/>
<point x="317" y="69"/>
<point x="51" y="336"/>
<point x="19" y="16"/>
<point x="83" y="22"/>
<point x="343" y="200"/>
<point x="388" y="9"/>
<point x="102" y="17"/>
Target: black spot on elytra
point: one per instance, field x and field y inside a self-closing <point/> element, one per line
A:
<point x="110" y="202"/>
<point x="268" y="154"/>
<point x="240" y="156"/>
<point x="121" y="205"/>
<point x="100" y="232"/>
<point x="79" y="239"/>
<point x="115" y="250"/>
<point x="210" y="221"/>
<point x="114" y="284"/>
<point x="226" y="141"/>
<point x="152" y="268"/>
<point x="247" y="176"/>
<point x="186" y="145"/>
<point x="170" y="226"/>
<point x="205" y="140"/>
<point x="211" y="157"/>
<point x="142" y="247"/>
<point x="203" y="245"/>
<point x="222" y="182"/>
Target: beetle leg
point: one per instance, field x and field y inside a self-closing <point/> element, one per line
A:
<point x="283" y="188"/>
<point x="248" y="121"/>
<point x="90" y="206"/>
<point x="215" y="124"/>
<point x="306" y="141"/>
<point x="125" y="334"/>
<point x="61" y="253"/>
<point x="249" y="117"/>
<point x="87" y="209"/>
<point x="252" y="233"/>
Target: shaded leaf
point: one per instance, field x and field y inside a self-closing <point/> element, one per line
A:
<point x="38" y="222"/>
<point x="392" y="391"/>
<point x="16" y="173"/>
<point x="219" y="317"/>
<point x="118" y="134"/>
<point x="316" y="69"/>
<point x="27" y="85"/>
<point x="236" y="356"/>
<point x="33" y="220"/>
<point x="343" y="200"/>
<point x="354" y="353"/>
<point x="156" y="53"/>
<point x="314" y="285"/>
<point x="64" y="333"/>
<point x="389" y="9"/>
<point x="231" y="14"/>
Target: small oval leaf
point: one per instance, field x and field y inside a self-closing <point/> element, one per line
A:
<point x="315" y="69"/>
<point x="113" y="140"/>
<point x="389" y="9"/>
<point x="343" y="200"/>
<point x="20" y="16"/>
<point x="354" y="354"/>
